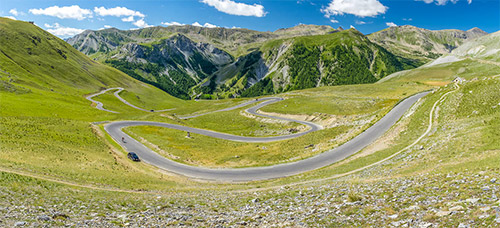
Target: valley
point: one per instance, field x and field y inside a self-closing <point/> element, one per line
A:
<point x="305" y="126"/>
<point x="202" y="62"/>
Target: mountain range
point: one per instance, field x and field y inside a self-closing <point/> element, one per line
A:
<point x="196" y="62"/>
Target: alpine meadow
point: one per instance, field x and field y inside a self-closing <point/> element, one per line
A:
<point x="232" y="113"/>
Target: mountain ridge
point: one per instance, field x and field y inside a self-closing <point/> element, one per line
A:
<point x="421" y="44"/>
<point x="248" y="57"/>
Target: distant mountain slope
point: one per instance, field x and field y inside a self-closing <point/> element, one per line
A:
<point x="485" y="47"/>
<point x="346" y="57"/>
<point x="422" y="45"/>
<point x="191" y="62"/>
<point x="175" y="64"/>
<point x="90" y="42"/>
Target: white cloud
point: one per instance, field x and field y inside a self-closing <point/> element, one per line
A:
<point x="236" y="8"/>
<point x="106" y="27"/>
<point x="10" y="17"/>
<point x="72" y="12"/>
<point x="206" y="25"/>
<point x="172" y="23"/>
<point x="360" y="8"/>
<point x="55" y="25"/>
<point x="141" y="23"/>
<point x="61" y="31"/>
<point x="442" y="2"/>
<point x="14" y="12"/>
<point x="407" y="19"/>
<point x="334" y="21"/>
<point x="391" y="24"/>
<point x="360" y="22"/>
<point x="117" y="12"/>
<point x="128" y="19"/>
<point x="197" y="24"/>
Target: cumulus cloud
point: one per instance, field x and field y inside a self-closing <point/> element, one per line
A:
<point x="206" y="25"/>
<point x="236" y="8"/>
<point x="14" y="12"/>
<point x="391" y="24"/>
<point x="172" y="23"/>
<point x="360" y="8"/>
<point x="360" y="22"/>
<point x="117" y="12"/>
<point x="141" y="23"/>
<point x="128" y="19"/>
<point x="51" y="26"/>
<point x="10" y="17"/>
<point x="65" y="12"/>
<point x="334" y="21"/>
<point x="106" y="27"/>
<point x="62" y="31"/>
<point x="442" y="2"/>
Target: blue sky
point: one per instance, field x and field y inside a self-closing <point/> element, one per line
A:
<point x="66" y="18"/>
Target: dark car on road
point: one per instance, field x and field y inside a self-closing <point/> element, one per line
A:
<point x="133" y="156"/>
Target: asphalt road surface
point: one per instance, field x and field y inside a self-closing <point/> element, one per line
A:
<point x="258" y="173"/>
<point x="99" y="105"/>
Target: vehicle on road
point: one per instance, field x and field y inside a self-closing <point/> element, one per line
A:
<point x="133" y="156"/>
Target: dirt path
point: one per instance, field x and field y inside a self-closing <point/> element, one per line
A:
<point x="51" y="179"/>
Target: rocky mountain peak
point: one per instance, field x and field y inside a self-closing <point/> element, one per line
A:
<point x="477" y="30"/>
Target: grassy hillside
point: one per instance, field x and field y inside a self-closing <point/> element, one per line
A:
<point x="46" y="120"/>
<point x="449" y="178"/>
<point x="438" y="166"/>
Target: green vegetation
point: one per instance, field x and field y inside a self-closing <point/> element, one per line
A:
<point x="50" y="131"/>
<point x="189" y="64"/>
<point x="223" y="153"/>
<point x="345" y="100"/>
<point x="154" y="77"/>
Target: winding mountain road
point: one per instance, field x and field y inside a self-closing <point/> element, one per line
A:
<point x="99" y="105"/>
<point x="257" y="173"/>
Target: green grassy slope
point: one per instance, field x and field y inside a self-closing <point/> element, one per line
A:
<point x="46" y="120"/>
<point x="49" y="132"/>
<point x="32" y="57"/>
<point x="453" y="166"/>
